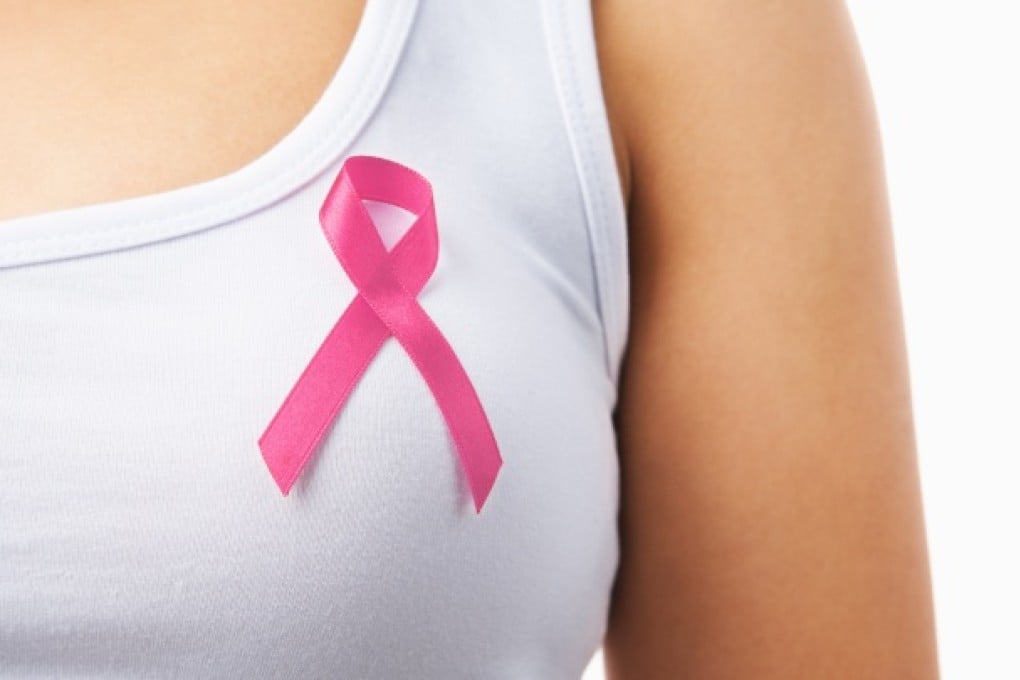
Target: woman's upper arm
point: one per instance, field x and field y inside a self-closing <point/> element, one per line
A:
<point x="771" y="519"/>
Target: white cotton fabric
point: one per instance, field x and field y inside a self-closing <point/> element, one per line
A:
<point x="146" y="343"/>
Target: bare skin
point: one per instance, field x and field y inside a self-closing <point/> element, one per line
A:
<point x="228" y="89"/>
<point x="772" y="521"/>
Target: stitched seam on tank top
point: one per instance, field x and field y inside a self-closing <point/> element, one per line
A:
<point x="313" y="156"/>
<point x="572" y="99"/>
<point x="567" y="88"/>
<point x="599" y="171"/>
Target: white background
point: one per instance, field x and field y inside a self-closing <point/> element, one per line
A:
<point x="946" y="79"/>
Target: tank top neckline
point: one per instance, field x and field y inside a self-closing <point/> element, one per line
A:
<point x="319" y="139"/>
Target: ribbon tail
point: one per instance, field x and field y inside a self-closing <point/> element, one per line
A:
<point x="293" y="434"/>
<point x="457" y="400"/>
<point x="472" y="434"/>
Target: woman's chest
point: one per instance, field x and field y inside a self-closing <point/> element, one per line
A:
<point x="121" y="99"/>
<point x="141" y="528"/>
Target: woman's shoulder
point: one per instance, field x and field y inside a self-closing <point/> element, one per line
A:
<point x="672" y="69"/>
<point x="764" y="415"/>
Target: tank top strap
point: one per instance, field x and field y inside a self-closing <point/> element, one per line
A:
<point x="570" y="38"/>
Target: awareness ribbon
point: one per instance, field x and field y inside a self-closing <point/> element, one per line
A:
<point x="388" y="283"/>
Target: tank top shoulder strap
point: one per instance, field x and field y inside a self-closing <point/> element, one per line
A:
<point x="570" y="39"/>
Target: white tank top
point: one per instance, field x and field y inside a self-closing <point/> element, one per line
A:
<point x="146" y="344"/>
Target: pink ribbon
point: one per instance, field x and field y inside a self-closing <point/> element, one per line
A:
<point x="386" y="304"/>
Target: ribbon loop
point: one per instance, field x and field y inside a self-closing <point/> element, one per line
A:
<point x="388" y="283"/>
